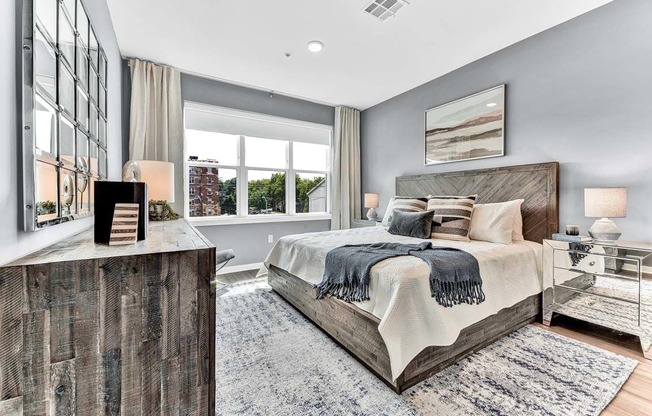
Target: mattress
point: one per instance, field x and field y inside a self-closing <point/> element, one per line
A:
<point x="410" y="319"/>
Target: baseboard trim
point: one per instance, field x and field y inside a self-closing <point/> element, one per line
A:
<point x="240" y="268"/>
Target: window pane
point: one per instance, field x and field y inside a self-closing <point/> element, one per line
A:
<point x="310" y="156"/>
<point x="45" y="127"/>
<point x="66" y="90"/>
<point x="68" y="190"/>
<point x="45" y="66"/>
<point x="82" y="24"/>
<point x="82" y="109"/>
<point x="92" y="47"/>
<point x="66" y="39"/>
<point x="46" y="12"/>
<point x="211" y="191"/>
<point x="92" y="85"/>
<point x="47" y="207"/>
<point x="82" y="152"/>
<point x="83" y="193"/>
<point x="67" y="141"/>
<point x="103" y="68"/>
<point x="70" y="8"/>
<point x="102" y="98"/>
<point x="209" y="146"/>
<point x="311" y="191"/>
<point x="103" y="163"/>
<point x="266" y="192"/>
<point x="82" y="68"/>
<point x="93" y="157"/>
<point x="102" y="132"/>
<point x="92" y="121"/>
<point x="265" y="153"/>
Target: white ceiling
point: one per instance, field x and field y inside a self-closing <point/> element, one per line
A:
<point x="364" y="61"/>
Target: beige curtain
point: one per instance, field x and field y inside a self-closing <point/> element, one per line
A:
<point x="346" y="204"/>
<point x="156" y="121"/>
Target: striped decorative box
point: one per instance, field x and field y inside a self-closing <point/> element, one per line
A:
<point x="124" y="229"/>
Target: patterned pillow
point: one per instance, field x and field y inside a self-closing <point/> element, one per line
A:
<point x="452" y="216"/>
<point x="406" y="204"/>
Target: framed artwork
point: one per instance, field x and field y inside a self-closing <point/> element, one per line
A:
<point x="472" y="127"/>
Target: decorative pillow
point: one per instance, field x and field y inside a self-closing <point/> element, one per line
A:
<point x="494" y="222"/>
<point x="411" y="224"/>
<point x="451" y="216"/>
<point x="388" y="211"/>
<point x="404" y="204"/>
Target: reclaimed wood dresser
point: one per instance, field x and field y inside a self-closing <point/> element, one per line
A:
<point x="88" y="329"/>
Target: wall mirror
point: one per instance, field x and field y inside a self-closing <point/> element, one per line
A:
<point x="64" y="112"/>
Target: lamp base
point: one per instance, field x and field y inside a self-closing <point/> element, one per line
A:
<point x="604" y="230"/>
<point x="372" y="215"/>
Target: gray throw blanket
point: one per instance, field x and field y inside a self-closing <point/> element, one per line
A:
<point x="454" y="274"/>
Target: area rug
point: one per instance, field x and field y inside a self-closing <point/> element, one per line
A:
<point x="272" y="361"/>
<point x="610" y="312"/>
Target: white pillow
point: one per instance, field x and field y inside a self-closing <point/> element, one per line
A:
<point x="495" y="222"/>
<point x="517" y="232"/>
<point x="388" y="212"/>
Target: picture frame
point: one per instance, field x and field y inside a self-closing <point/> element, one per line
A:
<point x="472" y="127"/>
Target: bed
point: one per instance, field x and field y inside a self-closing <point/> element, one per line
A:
<point x="403" y="353"/>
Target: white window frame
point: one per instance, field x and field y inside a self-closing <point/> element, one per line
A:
<point x="242" y="191"/>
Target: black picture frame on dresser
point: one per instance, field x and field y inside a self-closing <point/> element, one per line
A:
<point x="107" y="194"/>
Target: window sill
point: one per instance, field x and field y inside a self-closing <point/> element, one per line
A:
<point x="258" y="219"/>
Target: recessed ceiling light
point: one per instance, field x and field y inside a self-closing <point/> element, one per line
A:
<point x="315" y="46"/>
<point x="491" y="104"/>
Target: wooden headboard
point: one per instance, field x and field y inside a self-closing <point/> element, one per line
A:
<point x="537" y="184"/>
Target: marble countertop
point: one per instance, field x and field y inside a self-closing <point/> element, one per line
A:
<point x="163" y="236"/>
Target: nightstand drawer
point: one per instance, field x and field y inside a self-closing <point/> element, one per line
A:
<point x="620" y="289"/>
<point x="595" y="262"/>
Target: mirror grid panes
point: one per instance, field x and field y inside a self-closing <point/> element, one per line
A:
<point x="65" y="134"/>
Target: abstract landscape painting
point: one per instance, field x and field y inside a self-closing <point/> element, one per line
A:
<point x="469" y="128"/>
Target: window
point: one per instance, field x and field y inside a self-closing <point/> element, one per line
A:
<point x="245" y="165"/>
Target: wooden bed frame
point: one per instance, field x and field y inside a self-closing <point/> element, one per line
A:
<point x="357" y="330"/>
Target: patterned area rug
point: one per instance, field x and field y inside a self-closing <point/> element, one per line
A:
<point x="610" y="312"/>
<point x="273" y="361"/>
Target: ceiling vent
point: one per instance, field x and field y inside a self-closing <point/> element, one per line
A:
<point x="384" y="9"/>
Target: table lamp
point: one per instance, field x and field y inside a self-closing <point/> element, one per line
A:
<point x="605" y="203"/>
<point x="371" y="202"/>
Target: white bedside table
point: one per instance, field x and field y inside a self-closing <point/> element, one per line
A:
<point x="605" y="284"/>
<point x="365" y="223"/>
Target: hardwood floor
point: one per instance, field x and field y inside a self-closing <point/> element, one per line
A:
<point x="635" y="398"/>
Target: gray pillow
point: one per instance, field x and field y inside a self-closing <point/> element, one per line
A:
<point x="411" y="224"/>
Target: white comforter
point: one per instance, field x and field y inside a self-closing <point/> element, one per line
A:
<point x="410" y="319"/>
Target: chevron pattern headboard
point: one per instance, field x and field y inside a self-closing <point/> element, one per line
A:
<point x="537" y="184"/>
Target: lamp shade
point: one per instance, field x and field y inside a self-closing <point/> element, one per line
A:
<point x="371" y="200"/>
<point x="159" y="177"/>
<point x="605" y="202"/>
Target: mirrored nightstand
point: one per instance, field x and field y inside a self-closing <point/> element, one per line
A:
<point x="605" y="284"/>
<point x="365" y="223"/>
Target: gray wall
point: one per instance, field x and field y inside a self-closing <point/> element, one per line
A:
<point x="579" y="93"/>
<point x="249" y="241"/>
<point x="14" y="242"/>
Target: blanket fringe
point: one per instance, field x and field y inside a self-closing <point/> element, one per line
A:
<point x="449" y="294"/>
<point x="343" y="291"/>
